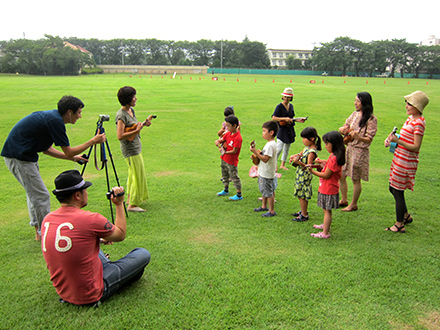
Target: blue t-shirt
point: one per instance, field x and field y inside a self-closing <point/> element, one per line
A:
<point x="35" y="133"/>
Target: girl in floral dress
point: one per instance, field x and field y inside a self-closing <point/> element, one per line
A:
<point x="303" y="178"/>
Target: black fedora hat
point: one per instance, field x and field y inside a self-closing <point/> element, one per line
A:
<point x="69" y="182"/>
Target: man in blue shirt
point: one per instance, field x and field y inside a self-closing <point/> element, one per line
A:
<point x="35" y="133"/>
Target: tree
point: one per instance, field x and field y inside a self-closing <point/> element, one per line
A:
<point x="294" y="63"/>
<point x="253" y="55"/>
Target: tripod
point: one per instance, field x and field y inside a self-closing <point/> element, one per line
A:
<point x="104" y="160"/>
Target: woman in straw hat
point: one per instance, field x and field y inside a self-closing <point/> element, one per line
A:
<point x="405" y="160"/>
<point x="285" y="116"/>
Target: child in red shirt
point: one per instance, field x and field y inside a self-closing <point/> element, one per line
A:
<point x="230" y="145"/>
<point x="328" y="192"/>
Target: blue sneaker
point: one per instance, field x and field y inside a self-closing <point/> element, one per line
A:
<point x="268" y="214"/>
<point x="223" y="193"/>
<point x="236" y="198"/>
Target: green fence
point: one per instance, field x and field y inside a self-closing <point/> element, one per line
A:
<point x="305" y="73"/>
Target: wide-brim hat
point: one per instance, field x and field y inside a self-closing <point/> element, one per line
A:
<point x="68" y="182"/>
<point x="288" y="91"/>
<point x="417" y="99"/>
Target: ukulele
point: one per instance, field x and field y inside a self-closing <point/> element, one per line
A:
<point x="347" y="137"/>
<point x="134" y="126"/>
<point x="254" y="158"/>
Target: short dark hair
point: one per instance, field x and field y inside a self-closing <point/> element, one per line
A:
<point x="271" y="125"/>
<point x="65" y="198"/>
<point x="69" y="102"/>
<point x="126" y="94"/>
<point x="229" y="111"/>
<point x="231" y="119"/>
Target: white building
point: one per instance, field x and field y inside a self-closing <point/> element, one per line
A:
<point x="431" y="41"/>
<point x="278" y="57"/>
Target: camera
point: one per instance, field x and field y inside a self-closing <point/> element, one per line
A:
<point x="104" y="118"/>
<point x="110" y="193"/>
<point x="81" y="162"/>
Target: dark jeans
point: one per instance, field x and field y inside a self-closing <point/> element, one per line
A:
<point x="124" y="271"/>
<point x="401" y="209"/>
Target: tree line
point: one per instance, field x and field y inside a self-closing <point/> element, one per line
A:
<point x="342" y="55"/>
<point x="49" y="56"/>
<point x="349" y="55"/>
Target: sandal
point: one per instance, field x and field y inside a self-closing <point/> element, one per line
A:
<point x="301" y="218"/>
<point x="398" y="229"/>
<point x="321" y="226"/>
<point x="343" y="204"/>
<point x="261" y="209"/>
<point x="297" y="214"/>
<point x="408" y="219"/>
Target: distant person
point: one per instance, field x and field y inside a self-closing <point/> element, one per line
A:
<point x="303" y="177"/>
<point x="328" y="192"/>
<point x="406" y="156"/>
<point x="284" y="115"/>
<point x="359" y="129"/>
<point x="79" y="270"/>
<point x="128" y="133"/>
<point x="227" y="112"/>
<point x="230" y="146"/>
<point x="267" y="168"/>
<point x="35" y="133"/>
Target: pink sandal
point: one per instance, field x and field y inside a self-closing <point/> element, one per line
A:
<point x="321" y="226"/>
<point x="320" y="235"/>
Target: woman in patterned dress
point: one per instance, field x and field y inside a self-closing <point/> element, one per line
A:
<point x="406" y="156"/>
<point x="361" y="127"/>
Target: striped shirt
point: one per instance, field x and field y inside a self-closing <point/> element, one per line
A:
<point x="404" y="165"/>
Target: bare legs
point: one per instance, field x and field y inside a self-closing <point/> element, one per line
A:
<point x="357" y="189"/>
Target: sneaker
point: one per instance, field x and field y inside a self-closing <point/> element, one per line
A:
<point x="261" y="209"/>
<point x="223" y="193"/>
<point x="320" y="235"/>
<point x="297" y="214"/>
<point x="268" y="214"/>
<point x="236" y="198"/>
<point x="301" y="218"/>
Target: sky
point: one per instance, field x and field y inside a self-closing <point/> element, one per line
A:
<point x="294" y="24"/>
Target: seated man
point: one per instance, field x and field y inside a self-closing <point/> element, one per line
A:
<point x="79" y="270"/>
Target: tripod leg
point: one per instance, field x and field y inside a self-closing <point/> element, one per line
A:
<point x="114" y="171"/>
<point x="85" y="164"/>
<point x="108" y="189"/>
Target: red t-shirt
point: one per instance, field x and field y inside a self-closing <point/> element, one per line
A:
<point x="70" y="245"/>
<point x="232" y="141"/>
<point x="330" y="186"/>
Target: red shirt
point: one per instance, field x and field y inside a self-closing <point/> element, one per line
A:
<point x="70" y="245"/>
<point x="232" y="141"/>
<point x="330" y="186"/>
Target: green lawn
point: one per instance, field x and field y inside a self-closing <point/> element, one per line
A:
<point x="216" y="264"/>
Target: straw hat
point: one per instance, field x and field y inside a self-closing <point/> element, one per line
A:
<point x="418" y="99"/>
<point x="288" y="91"/>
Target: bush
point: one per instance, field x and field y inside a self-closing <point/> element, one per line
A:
<point x="94" y="70"/>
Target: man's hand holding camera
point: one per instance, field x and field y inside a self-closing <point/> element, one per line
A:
<point x="117" y="195"/>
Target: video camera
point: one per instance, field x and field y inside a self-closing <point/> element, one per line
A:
<point x="110" y="193"/>
<point x="103" y="118"/>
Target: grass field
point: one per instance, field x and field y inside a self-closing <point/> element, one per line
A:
<point x="216" y="264"/>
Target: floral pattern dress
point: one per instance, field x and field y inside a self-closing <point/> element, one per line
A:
<point x="303" y="178"/>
